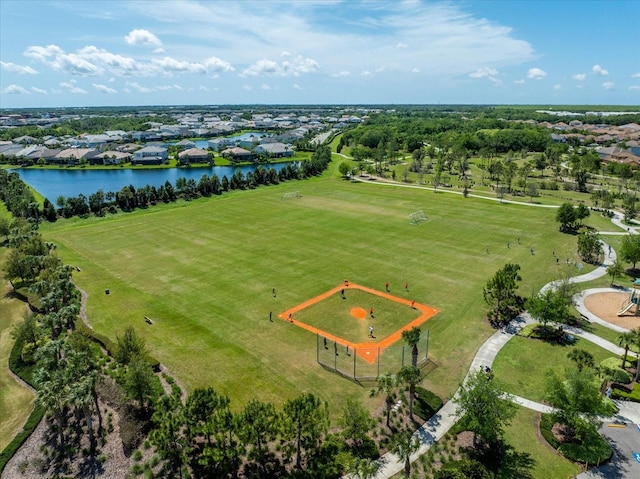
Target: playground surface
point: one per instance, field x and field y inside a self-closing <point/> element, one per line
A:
<point x="606" y="307"/>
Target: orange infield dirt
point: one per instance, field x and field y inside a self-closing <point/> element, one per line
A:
<point x="364" y="350"/>
<point x="359" y="313"/>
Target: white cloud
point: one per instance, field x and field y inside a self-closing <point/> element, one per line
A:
<point x="453" y="41"/>
<point x="142" y="38"/>
<point x="293" y="67"/>
<point x="366" y="73"/>
<point x="178" y="87"/>
<point x="104" y="88"/>
<point x="247" y="87"/>
<point x="484" y="72"/>
<point x="557" y="87"/>
<point x="636" y="75"/>
<point x="115" y="63"/>
<point x="55" y="57"/>
<point x="598" y="70"/>
<point x="15" y="90"/>
<point x="579" y="76"/>
<point x="608" y="85"/>
<point x="415" y="70"/>
<point x="536" y="73"/>
<point x="15" y="68"/>
<point x="138" y="87"/>
<point x="634" y="87"/>
<point x="72" y="88"/>
<point x="519" y="82"/>
<point x="297" y="87"/>
<point x="170" y="65"/>
<point x="488" y="73"/>
<point x="214" y="64"/>
<point x="91" y="61"/>
<point x="203" y="88"/>
<point x="39" y="90"/>
<point x="262" y="67"/>
<point x="579" y="86"/>
<point x="343" y="73"/>
<point x="265" y="87"/>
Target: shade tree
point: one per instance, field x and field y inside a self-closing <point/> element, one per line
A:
<point x="486" y="408"/>
<point x="576" y="399"/>
<point x="500" y="294"/>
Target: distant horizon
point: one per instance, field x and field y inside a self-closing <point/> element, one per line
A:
<point x="339" y="52"/>
<point x="345" y="105"/>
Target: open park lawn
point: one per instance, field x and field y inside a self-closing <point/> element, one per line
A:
<point x="521" y="364"/>
<point x="204" y="272"/>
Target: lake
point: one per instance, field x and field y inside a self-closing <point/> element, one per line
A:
<point x="54" y="183"/>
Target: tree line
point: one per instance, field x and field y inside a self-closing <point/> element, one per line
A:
<point x="21" y="202"/>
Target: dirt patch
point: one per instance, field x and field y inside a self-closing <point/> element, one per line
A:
<point x="607" y="305"/>
<point x="358" y="313"/>
<point x="562" y="433"/>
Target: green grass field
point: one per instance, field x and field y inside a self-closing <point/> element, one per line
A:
<point x="522" y="362"/>
<point x="204" y="271"/>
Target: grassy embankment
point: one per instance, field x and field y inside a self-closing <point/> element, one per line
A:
<point x="16" y="401"/>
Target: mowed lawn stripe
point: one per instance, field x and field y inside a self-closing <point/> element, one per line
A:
<point x="205" y="271"/>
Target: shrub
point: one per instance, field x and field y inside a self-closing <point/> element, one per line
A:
<point x="632" y="394"/>
<point x="593" y="449"/>
<point x="426" y="403"/>
<point x="618" y="375"/>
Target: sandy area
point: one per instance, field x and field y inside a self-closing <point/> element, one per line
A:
<point x="607" y="305"/>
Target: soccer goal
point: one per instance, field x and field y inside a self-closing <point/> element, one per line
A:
<point x="417" y="217"/>
<point x="291" y="194"/>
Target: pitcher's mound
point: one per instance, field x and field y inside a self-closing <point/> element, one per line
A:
<point x="358" y="313"/>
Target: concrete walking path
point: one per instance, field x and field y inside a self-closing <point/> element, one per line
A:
<point x="436" y="427"/>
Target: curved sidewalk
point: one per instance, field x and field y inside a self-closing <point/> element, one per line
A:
<point x="440" y="423"/>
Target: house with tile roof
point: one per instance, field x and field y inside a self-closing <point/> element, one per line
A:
<point x="274" y="150"/>
<point x="150" y="155"/>
<point x="193" y="155"/>
<point x="237" y="154"/>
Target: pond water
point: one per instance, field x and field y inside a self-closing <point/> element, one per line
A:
<point x="54" y="183"/>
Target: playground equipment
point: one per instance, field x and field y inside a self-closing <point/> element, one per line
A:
<point x="634" y="300"/>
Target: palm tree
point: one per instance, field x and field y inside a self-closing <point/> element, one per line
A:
<point x="582" y="358"/>
<point x="387" y="384"/>
<point x="411" y="376"/>
<point x="614" y="270"/>
<point x="404" y="444"/>
<point x="636" y="343"/>
<point x="626" y="339"/>
<point x="362" y="468"/>
<point x="412" y="338"/>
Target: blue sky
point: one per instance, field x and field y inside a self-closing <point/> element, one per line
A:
<point x="87" y="53"/>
